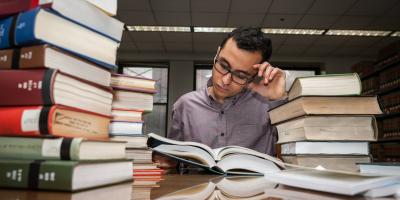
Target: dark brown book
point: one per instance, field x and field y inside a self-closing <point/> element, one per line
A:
<point x="46" y="56"/>
<point x="390" y="129"/>
<point x="49" y="87"/>
<point x="323" y="105"/>
<point x="391" y="102"/>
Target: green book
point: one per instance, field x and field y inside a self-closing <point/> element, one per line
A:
<point x="326" y="85"/>
<point x="60" y="149"/>
<point x="62" y="175"/>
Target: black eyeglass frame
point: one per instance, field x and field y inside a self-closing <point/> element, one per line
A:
<point x="233" y="72"/>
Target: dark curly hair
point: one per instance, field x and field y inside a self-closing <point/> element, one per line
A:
<point x="251" y="39"/>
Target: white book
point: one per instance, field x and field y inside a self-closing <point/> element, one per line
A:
<point x="329" y="181"/>
<point x="88" y="14"/>
<point x="348" y="148"/>
<point x="126" y="128"/>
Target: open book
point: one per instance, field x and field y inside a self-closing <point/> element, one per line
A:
<point x="226" y="160"/>
<point x="236" y="187"/>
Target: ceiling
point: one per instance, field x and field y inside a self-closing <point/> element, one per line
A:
<point x="319" y="14"/>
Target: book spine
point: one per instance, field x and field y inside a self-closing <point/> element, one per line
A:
<point x="36" y="174"/>
<point x="37" y="148"/>
<point x="9" y="7"/>
<point x="26" y="87"/>
<point x="32" y="57"/>
<point x="6" y="58"/>
<point x="6" y="32"/>
<point x="25" y="28"/>
<point x="22" y="121"/>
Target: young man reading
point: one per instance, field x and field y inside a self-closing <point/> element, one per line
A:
<point x="233" y="109"/>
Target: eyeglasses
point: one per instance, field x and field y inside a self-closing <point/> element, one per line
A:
<point x="238" y="77"/>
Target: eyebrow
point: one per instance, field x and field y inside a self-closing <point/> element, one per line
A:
<point x="230" y="66"/>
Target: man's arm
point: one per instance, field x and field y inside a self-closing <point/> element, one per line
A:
<point x="175" y="132"/>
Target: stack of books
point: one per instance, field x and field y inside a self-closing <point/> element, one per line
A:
<point x="56" y="61"/>
<point x="326" y="123"/>
<point x="133" y="97"/>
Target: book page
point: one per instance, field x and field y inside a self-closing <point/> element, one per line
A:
<point x="236" y="163"/>
<point x="196" y="144"/>
<point x="225" y="151"/>
<point x="187" y="152"/>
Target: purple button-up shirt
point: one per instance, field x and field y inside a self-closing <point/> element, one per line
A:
<point x="241" y="120"/>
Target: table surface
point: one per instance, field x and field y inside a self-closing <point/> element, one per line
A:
<point x="174" y="186"/>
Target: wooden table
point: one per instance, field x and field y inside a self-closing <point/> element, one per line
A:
<point x="172" y="183"/>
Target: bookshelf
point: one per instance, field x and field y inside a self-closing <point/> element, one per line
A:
<point x="382" y="78"/>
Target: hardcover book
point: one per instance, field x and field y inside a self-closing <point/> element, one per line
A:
<point x="230" y="160"/>
<point x="62" y="175"/>
<point x="328" y="128"/>
<point x="126" y="82"/>
<point x="326" y="85"/>
<point x="79" y="11"/>
<point x="39" y="26"/>
<point x="77" y="149"/>
<point x="327" y="148"/>
<point x="320" y="105"/>
<point x="60" y="121"/>
<point x="50" y="57"/>
<point x="49" y="87"/>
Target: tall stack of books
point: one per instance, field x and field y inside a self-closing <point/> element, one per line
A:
<point x="56" y="62"/>
<point x="133" y="97"/>
<point x="326" y="123"/>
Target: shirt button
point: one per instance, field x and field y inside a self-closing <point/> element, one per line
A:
<point x="222" y="134"/>
<point x="222" y="112"/>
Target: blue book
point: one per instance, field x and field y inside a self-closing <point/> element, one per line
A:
<point x="40" y="26"/>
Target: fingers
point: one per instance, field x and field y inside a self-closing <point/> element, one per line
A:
<point x="267" y="71"/>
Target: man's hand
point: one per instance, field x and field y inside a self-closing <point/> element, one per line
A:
<point x="165" y="162"/>
<point x="273" y="83"/>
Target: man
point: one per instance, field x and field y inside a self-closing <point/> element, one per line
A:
<point x="233" y="109"/>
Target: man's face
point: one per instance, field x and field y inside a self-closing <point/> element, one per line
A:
<point x="237" y="60"/>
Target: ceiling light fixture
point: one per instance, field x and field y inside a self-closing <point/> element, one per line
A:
<point x="159" y="28"/>
<point x="357" y="33"/>
<point x="395" y="34"/>
<point x="292" y="31"/>
<point x="212" y="29"/>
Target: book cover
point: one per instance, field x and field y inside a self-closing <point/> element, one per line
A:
<point x="81" y="12"/>
<point x="39" y="26"/>
<point x="50" y="57"/>
<point x="62" y="175"/>
<point x="76" y="149"/>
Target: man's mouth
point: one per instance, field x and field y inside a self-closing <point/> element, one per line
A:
<point x="223" y="89"/>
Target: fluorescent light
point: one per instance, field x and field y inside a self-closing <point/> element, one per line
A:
<point x="213" y="29"/>
<point x="395" y="34"/>
<point x="357" y="33"/>
<point x="292" y="31"/>
<point x="160" y="28"/>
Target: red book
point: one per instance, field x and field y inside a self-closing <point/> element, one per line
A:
<point x="49" y="87"/>
<point x="10" y="7"/>
<point x="52" y="121"/>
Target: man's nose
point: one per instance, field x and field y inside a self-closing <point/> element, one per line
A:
<point x="227" y="78"/>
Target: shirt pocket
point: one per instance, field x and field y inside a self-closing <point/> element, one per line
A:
<point x="246" y="135"/>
